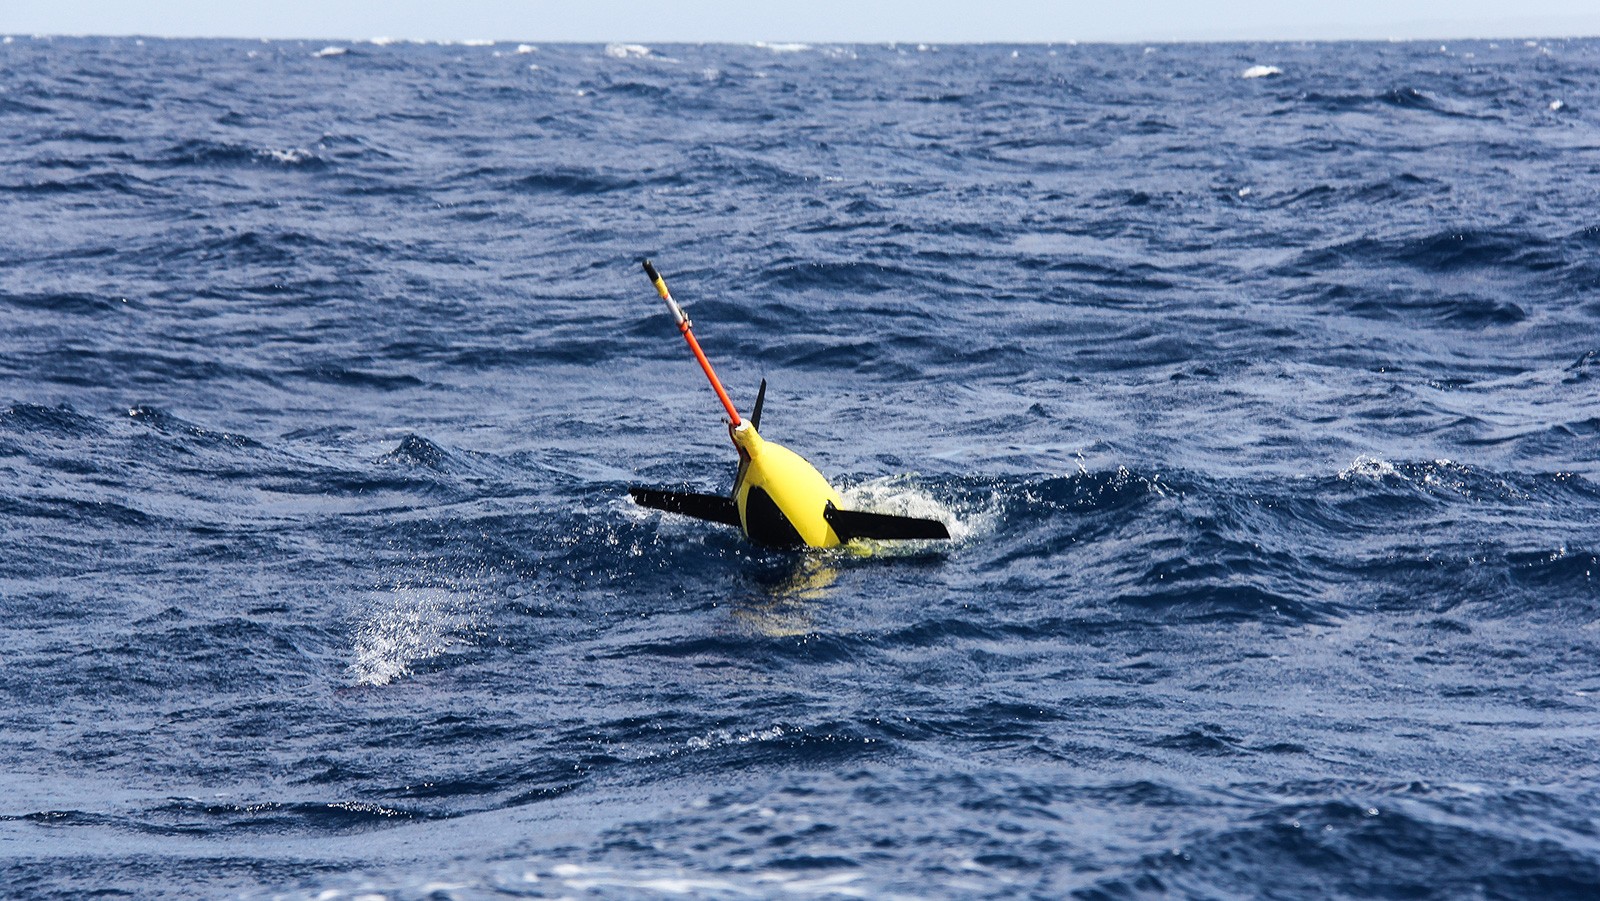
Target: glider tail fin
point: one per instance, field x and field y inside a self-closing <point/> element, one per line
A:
<point x="755" y="413"/>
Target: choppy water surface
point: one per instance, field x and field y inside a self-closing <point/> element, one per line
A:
<point x="1265" y="411"/>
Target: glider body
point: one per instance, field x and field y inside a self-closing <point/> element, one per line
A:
<point x="779" y="499"/>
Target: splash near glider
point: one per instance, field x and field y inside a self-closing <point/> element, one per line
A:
<point x="778" y="498"/>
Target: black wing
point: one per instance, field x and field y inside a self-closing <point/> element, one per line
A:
<point x="848" y="524"/>
<point x="713" y="507"/>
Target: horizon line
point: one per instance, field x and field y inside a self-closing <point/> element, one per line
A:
<point x="387" y="40"/>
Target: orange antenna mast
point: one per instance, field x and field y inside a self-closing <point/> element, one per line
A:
<point x="685" y="326"/>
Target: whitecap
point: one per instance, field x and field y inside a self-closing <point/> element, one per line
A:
<point x="403" y="627"/>
<point x="527" y="48"/>
<point x="1556" y="106"/>
<point x="1261" y="72"/>
<point x="1366" y="467"/>
<point x="477" y="42"/>
<point x="783" y="48"/>
<point x="610" y="882"/>
<point x="293" y="156"/>
<point x="331" y="51"/>
<point x="383" y="42"/>
<point x="723" y="737"/>
<point x="1448" y="475"/>
<point x="627" y="51"/>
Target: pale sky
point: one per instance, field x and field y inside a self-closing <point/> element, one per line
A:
<point x="818" y="21"/>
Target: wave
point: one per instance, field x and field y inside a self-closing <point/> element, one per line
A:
<point x="15" y="106"/>
<point x="1402" y="188"/>
<point x="855" y="277"/>
<point x="1192" y="549"/>
<point x="350" y="376"/>
<point x="60" y="420"/>
<point x="1393" y="850"/>
<point x="99" y="182"/>
<point x="1456" y="312"/>
<point x="162" y="421"/>
<point x="576" y="181"/>
<point x="202" y="153"/>
<point x="414" y="450"/>
<point x="1402" y="98"/>
<point x="70" y="303"/>
<point x="217" y="818"/>
<point x="295" y="252"/>
<point x="1542" y="267"/>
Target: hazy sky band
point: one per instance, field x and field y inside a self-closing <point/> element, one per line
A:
<point x="860" y="21"/>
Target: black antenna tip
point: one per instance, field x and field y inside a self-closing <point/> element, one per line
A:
<point x="650" y="270"/>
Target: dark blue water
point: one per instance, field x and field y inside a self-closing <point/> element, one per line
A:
<point x="1266" y="413"/>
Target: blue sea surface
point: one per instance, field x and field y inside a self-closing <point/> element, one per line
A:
<point x="1265" y="412"/>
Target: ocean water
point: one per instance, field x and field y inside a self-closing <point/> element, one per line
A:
<point x="1265" y="411"/>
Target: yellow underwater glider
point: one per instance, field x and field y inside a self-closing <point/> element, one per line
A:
<point x="778" y="498"/>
